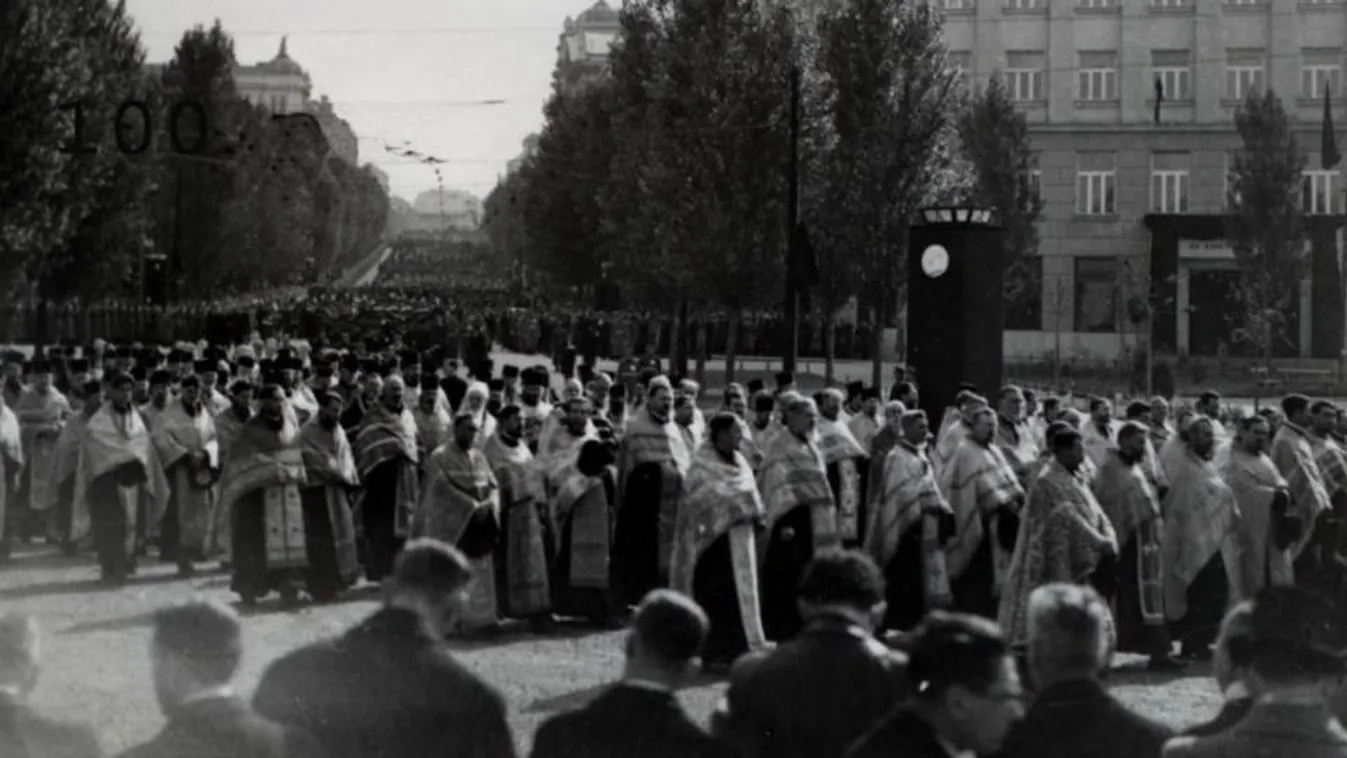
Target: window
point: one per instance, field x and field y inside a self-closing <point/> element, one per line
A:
<point x="961" y="63"/>
<point x="597" y="43"/>
<point x="1169" y="5"/>
<point x="1096" y="4"/>
<point x="1244" y="72"/>
<point x="958" y="5"/>
<point x="1169" y="182"/>
<point x="1024" y="76"/>
<point x="1096" y="294"/>
<point x="1024" y="5"/>
<point x="1098" y="77"/>
<point x="1230" y="158"/>
<point x="1321" y="70"/>
<point x="1174" y="70"/>
<point x="1095" y="180"/>
<point x="1246" y="3"/>
<point x="1321" y="192"/>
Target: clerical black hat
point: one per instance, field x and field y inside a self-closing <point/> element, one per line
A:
<point x="247" y="361"/>
<point x="79" y="365"/>
<point x="37" y="366"/>
<point x="854" y="389"/>
<point x="13" y="356"/>
<point x="179" y="356"/>
<point x="586" y="373"/>
<point x="410" y="358"/>
<point x="205" y="367"/>
<point x="532" y="378"/>
<point x="369" y="366"/>
<point x="429" y="380"/>
<point x="509" y="372"/>
<point x="784" y="378"/>
<point x="495" y="385"/>
<point x="763" y="402"/>
<point x="755" y="386"/>
<point x="139" y="373"/>
<point x="350" y="362"/>
<point x="617" y="392"/>
<point x="870" y="393"/>
<point x="161" y="377"/>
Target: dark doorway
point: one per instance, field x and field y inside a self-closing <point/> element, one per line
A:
<point x="1215" y="313"/>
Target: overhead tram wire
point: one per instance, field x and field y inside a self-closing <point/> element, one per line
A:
<point x="1021" y="17"/>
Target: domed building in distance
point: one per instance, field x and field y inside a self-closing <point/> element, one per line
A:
<point x="582" y="50"/>
<point x="282" y="86"/>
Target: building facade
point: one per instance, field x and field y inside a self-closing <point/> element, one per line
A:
<point x="282" y="86"/>
<point x="1132" y="205"/>
<point x="582" y="49"/>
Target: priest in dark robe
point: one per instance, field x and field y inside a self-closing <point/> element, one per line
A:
<point x="910" y="524"/>
<point x="42" y="411"/>
<point x="389" y="464"/>
<point x="848" y="467"/>
<point x="1322" y="553"/>
<point x="460" y="505"/>
<point x="578" y="484"/>
<point x="1268" y="527"/>
<point x="715" y="546"/>
<point x="11" y="462"/>
<point x="120" y="487"/>
<point x="651" y="463"/>
<point x="980" y="485"/>
<point x="1201" y="550"/>
<point x="1014" y="436"/>
<point x="262" y="483"/>
<point x="65" y="465"/>
<point x="227" y="427"/>
<point x="1128" y="496"/>
<point x="521" y="560"/>
<point x="1065" y="538"/>
<point x="801" y="514"/>
<point x="329" y="528"/>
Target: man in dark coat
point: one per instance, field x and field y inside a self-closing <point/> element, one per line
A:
<point x="966" y="694"/>
<point x="819" y="692"/>
<point x="1073" y="713"/>
<point x="640" y="715"/>
<point x="196" y="650"/>
<point x="1230" y="666"/>
<point x="390" y="687"/>
<point x="24" y="731"/>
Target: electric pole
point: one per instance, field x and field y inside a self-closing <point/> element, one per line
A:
<point x="792" y="222"/>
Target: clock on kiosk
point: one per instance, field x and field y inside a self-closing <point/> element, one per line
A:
<point x="935" y="261"/>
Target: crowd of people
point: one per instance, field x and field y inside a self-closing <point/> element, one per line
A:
<point x="536" y="493"/>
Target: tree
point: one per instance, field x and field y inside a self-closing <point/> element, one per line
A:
<point x="558" y="199"/>
<point x="886" y="99"/>
<point x="40" y="73"/>
<point x="994" y="140"/>
<point x="1264" y="224"/>
<point x="111" y="224"/>
<point x="201" y="196"/>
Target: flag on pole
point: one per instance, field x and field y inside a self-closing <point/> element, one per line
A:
<point x="1328" y="152"/>
<point x="1159" y="98"/>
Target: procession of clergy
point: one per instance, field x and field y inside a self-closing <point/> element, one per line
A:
<point x="298" y="469"/>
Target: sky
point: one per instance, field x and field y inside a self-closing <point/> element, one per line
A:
<point x="412" y="71"/>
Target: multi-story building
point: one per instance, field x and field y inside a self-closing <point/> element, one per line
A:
<point x="282" y="86"/>
<point x="1132" y="205"/>
<point x="528" y="148"/>
<point x="582" y="50"/>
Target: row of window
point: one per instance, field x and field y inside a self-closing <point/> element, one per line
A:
<point x="1025" y="74"/>
<point x="1025" y="5"/>
<point x="1322" y="192"/>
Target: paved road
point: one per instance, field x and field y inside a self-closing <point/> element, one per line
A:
<point x="96" y="662"/>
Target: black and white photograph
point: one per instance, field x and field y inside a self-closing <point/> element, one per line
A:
<point x="673" y="378"/>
